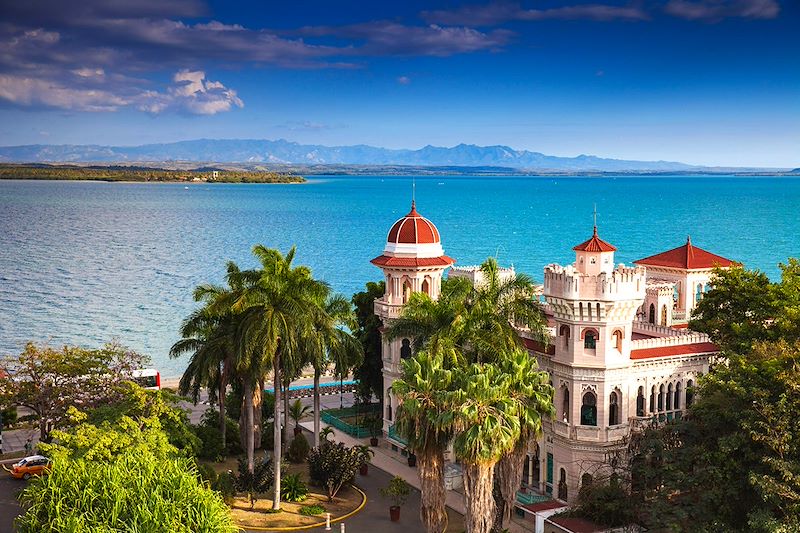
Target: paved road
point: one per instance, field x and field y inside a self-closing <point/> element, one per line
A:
<point x="9" y="506"/>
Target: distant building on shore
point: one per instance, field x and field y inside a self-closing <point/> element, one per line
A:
<point x="620" y="355"/>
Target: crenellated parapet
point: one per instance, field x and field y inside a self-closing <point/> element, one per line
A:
<point x="568" y="283"/>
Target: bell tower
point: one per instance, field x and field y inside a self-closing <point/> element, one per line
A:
<point x="413" y="260"/>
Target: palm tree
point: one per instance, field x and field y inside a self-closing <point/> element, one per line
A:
<point x="328" y="342"/>
<point x="487" y="427"/>
<point x="210" y="338"/>
<point x="278" y="304"/>
<point x="436" y="325"/>
<point x="298" y="411"/>
<point x="498" y="309"/>
<point x="422" y="420"/>
<point x="531" y="390"/>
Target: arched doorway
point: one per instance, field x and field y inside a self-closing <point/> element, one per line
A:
<point x="664" y="315"/>
<point x="652" y="317"/>
<point x="640" y="402"/>
<point x="562" y="485"/>
<point x="405" y="349"/>
<point x="613" y="409"/>
<point x="589" y="409"/>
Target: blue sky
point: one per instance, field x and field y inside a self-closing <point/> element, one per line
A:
<point x="714" y="82"/>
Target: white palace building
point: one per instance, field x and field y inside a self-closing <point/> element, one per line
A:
<point x="620" y="352"/>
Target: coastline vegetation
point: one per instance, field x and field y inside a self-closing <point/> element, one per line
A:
<point x="145" y="174"/>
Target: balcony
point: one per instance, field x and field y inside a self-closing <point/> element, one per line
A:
<point x="561" y="428"/>
<point x="392" y="434"/>
<point x="385" y="309"/>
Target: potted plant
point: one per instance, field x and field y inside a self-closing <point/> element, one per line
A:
<point x="412" y="459"/>
<point x="298" y="411"/>
<point x="374" y="425"/>
<point x="397" y="491"/>
<point x="365" y="454"/>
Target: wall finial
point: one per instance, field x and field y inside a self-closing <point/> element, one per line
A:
<point x="595" y="219"/>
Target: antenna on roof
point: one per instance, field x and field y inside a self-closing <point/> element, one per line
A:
<point x="595" y="218"/>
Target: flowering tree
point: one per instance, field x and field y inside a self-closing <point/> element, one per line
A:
<point x="49" y="381"/>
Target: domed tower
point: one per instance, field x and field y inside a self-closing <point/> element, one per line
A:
<point x="412" y="261"/>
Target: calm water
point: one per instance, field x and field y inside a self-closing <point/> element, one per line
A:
<point x="85" y="262"/>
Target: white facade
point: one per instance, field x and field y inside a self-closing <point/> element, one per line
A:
<point x="611" y="367"/>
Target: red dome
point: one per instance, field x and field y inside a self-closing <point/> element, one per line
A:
<point x="413" y="229"/>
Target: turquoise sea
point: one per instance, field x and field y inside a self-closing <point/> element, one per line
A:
<point x="86" y="262"/>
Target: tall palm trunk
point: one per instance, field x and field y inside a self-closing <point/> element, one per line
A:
<point x="509" y="474"/>
<point x="258" y="398"/>
<point x="316" y="407"/>
<point x="248" y="420"/>
<point x="432" y="512"/>
<point x="480" y="507"/>
<point x="286" y="415"/>
<point x="223" y="386"/>
<point x="276" y="460"/>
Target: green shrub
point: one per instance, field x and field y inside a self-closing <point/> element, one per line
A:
<point x="210" y="442"/>
<point x="333" y="465"/>
<point x="131" y="491"/>
<point x="293" y="489"/>
<point x="207" y="473"/>
<point x="259" y="481"/>
<point x="233" y="445"/>
<point x="298" y="449"/>
<point x="225" y="485"/>
<point x="312" y="510"/>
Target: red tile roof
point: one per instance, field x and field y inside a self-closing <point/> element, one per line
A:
<point x="680" y="349"/>
<point x="595" y="244"/>
<point x="687" y="257"/>
<point x="544" y="506"/>
<point x="385" y="260"/>
<point x="413" y="229"/>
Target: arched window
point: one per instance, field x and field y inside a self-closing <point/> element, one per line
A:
<point x="613" y="409"/>
<point x="676" y="292"/>
<point x="589" y="409"/>
<point x="640" y="402"/>
<point x="590" y="339"/>
<point x="598" y="311"/>
<point x="388" y="411"/>
<point x="406" y="291"/>
<point x="678" y="395"/>
<point x="405" y="349"/>
<point x="562" y="485"/>
<point x="564" y="333"/>
<point x="653" y="399"/>
<point x="664" y="315"/>
<point x="669" y="397"/>
<point x="618" y="340"/>
<point x="661" y="398"/>
<point x="652" y="318"/>
<point x="698" y="295"/>
<point x="565" y="404"/>
<point x="426" y="288"/>
<point x="689" y="393"/>
<point x="586" y="480"/>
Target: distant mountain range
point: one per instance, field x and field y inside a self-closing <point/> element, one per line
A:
<point x="282" y="152"/>
<point x="261" y="153"/>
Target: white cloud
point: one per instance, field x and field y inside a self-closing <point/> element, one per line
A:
<point x="403" y="80"/>
<point x="34" y="91"/>
<point x="94" y="92"/>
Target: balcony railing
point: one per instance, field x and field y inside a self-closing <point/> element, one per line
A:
<point x="395" y="437"/>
